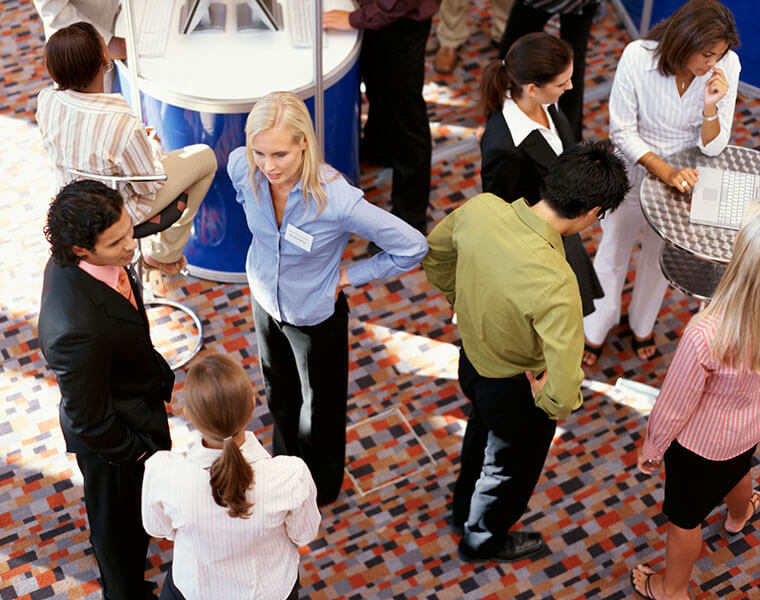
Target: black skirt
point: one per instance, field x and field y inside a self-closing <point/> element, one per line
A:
<point x="695" y="486"/>
<point x="588" y="282"/>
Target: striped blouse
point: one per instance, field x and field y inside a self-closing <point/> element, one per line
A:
<point x="218" y="556"/>
<point x="98" y="133"/>
<point x="711" y="409"/>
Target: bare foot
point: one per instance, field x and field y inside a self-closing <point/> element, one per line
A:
<point x="644" y="348"/>
<point x="648" y="584"/>
<point x="591" y="354"/>
<point x="736" y="525"/>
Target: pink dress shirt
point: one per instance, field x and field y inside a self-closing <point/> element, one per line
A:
<point x="710" y="408"/>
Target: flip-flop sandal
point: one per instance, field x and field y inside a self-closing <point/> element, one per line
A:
<point x="595" y="352"/>
<point x="641" y="344"/>
<point x="167" y="269"/>
<point x="648" y="594"/>
<point x="754" y="500"/>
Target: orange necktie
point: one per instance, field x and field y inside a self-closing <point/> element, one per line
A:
<point x="125" y="288"/>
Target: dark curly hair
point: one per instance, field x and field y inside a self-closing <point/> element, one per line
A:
<point x="587" y="175"/>
<point x="77" y="216"/>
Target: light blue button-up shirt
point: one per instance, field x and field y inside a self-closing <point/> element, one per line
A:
<point x="298" y="286"/>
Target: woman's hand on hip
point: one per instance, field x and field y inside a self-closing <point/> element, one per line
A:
<point x="342" y="282"/>
<point x="715" y="88"/>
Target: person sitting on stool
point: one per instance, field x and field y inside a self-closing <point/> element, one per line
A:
<point x="85" y="129"/>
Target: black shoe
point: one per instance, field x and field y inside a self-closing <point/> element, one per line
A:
<point x="519" y="545"/>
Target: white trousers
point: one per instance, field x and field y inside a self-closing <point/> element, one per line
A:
<point x="619" y="232"/>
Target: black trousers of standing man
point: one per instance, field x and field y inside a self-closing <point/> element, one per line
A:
<point x="305" y="371"/>
<point x="112" y="498"/>
<point x="397" y="131"/>
<point x="503" y="453"/>
<point x="575" y="30"/>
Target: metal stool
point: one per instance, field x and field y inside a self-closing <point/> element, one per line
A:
<point x="693" y="276"/>
<point x="167" y="217"/>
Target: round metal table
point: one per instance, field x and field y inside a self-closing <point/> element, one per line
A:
<point x="667" y="210"/>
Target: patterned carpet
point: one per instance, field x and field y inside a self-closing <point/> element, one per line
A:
<point x="387" y="536"/>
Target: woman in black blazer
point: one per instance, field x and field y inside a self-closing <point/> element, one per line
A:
<point x="526" y="132"/>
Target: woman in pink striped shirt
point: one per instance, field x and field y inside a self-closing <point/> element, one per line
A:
<point x="706" y="422"/>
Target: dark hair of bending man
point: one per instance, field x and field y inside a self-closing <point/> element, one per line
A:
<point x="502" y="267"/>
<point x="93" y="332"/>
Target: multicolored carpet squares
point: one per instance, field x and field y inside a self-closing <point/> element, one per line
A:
<point x="388" y="535"/>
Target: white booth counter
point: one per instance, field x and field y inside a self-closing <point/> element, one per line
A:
<point x="201" y="91"/>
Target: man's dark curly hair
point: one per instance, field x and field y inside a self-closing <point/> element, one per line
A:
<point x="78" y="215"/>
<point x="584" y="176"/>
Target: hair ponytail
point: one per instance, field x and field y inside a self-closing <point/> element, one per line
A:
<point x="494" y="85"/>
<point x="218" y="401"/>
<point x="535" y="58"/>
<point x="230" y="478"/>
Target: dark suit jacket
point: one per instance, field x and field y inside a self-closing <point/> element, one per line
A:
<point x="113" y="383"/>
<point x="513" y="172"/>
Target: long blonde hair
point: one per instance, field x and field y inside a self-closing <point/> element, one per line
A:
<point x="736" y="302"/>
<point x="218" y="401"/>
<point x="285" y="109"/>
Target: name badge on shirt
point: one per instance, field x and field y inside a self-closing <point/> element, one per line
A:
<point x="300" y="238"/>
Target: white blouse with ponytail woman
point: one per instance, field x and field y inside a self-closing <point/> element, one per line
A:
<point x="236" y="515"/>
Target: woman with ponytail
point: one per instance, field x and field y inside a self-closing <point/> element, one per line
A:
<point x="236" y="515"/>
<point x="526" y="132"/>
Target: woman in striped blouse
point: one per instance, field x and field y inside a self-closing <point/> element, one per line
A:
<point x="236" y="515"/>
<point x="672" y="91"/>
<point x="706" y="422"/>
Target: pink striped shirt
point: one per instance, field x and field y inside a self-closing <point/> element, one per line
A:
<point x="98" y="133"/>
<point x="710" y="408"/>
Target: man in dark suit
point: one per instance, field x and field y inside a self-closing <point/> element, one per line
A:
<point x="93" y="331"/>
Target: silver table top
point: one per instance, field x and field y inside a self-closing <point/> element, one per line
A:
<point x="667" y="209"/>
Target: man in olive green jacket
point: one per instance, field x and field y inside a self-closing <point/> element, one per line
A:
<point x="502" y="267"/>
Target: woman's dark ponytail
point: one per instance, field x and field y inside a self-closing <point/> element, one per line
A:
<point x="219" y="401"/>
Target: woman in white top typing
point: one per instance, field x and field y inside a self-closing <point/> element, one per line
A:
<point x="236" y="515"/>
<point x="672" y="91"/>
<point x="705" y="424"/>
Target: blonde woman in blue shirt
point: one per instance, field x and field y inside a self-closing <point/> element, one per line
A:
<point x="302" y="213"/>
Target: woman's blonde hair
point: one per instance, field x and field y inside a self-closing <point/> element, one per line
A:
<point x="286" y="110"/>
<point x="736" y="302"/>
<point x="218" y="401"/>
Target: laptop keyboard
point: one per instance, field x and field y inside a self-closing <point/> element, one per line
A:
<point x="737" y="191"/>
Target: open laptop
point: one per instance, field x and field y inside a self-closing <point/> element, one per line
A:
<point x="720" y="197"/>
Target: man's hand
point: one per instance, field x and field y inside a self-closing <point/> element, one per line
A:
<point x="117" y="48"/>
<point x="336" y="19"/>
<point x="648" y="467"/>
<point x="536" y="385"/>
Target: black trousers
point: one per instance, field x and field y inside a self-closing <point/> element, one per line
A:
<point x="575" y="30"/>
<point x="170" y="591"/>
<point x="305" y="371"/>
<point x="503" y="453"/>
<point x="397" y="130"/>
<point x="112" y="497"/>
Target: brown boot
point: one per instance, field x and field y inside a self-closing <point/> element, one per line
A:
<point x="445" y="60"/>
